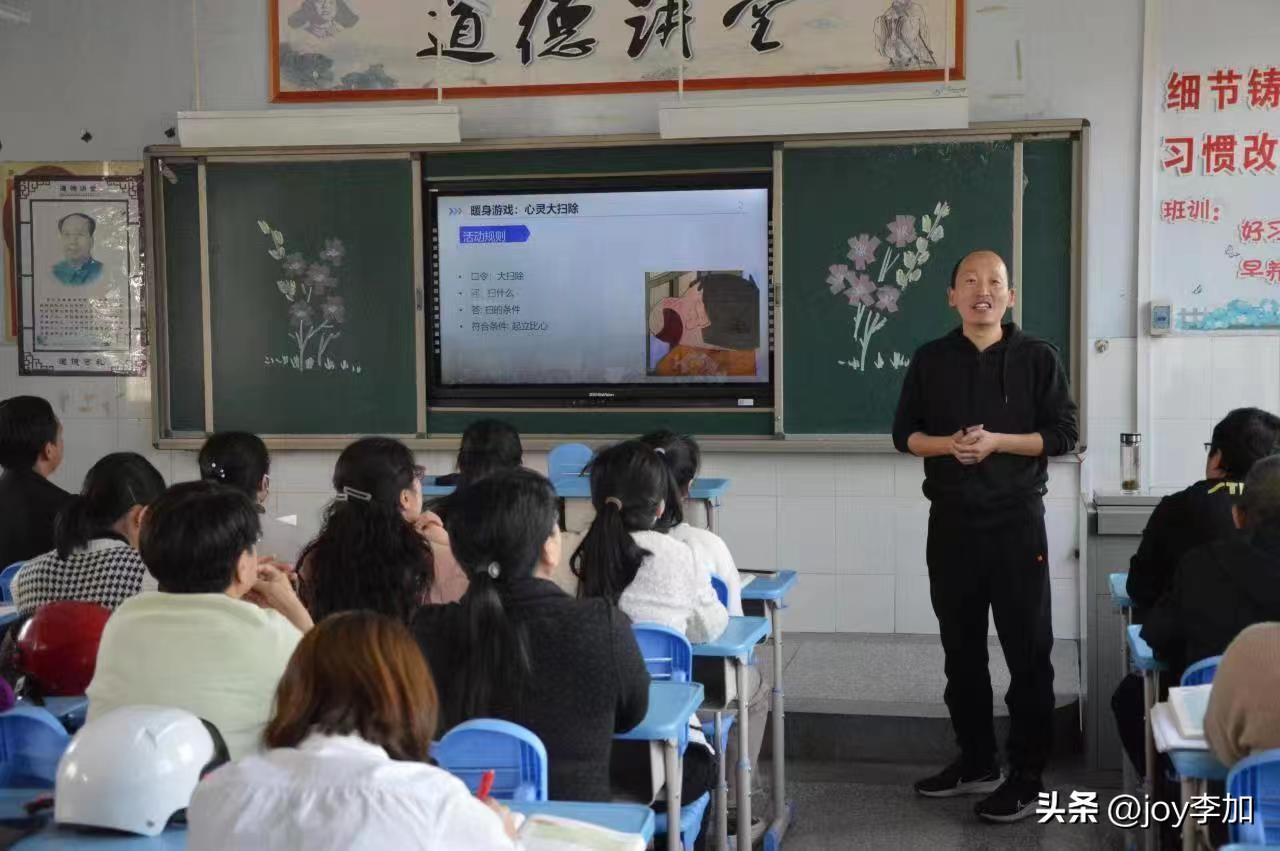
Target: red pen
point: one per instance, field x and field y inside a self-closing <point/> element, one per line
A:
<point x="486" y="785"/>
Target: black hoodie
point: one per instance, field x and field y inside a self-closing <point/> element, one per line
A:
<point x="1016" y="386"/>
<point x="1181" y="522"/>
<point x="1218" y="590"/>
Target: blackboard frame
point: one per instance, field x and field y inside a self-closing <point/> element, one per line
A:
<point x="776" y="442"/>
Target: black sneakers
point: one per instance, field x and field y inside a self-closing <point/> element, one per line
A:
<point x="956" y="779"/>
<point x="1016" y="799"/>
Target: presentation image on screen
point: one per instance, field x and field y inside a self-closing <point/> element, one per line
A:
<point x="655" y="287"/>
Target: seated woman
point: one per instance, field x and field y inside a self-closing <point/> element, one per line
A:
<point x="1244" y="705"/>
<point x="96" y="534"/>
<point x="487" y="447"/>
<point x="241" y="460"/>
<point x="374" y="550"/>
<point x="217" y="635"/>
<point x="517" y="647"/>
<point x="652" y="577"/>
<point x="347" y="765"/>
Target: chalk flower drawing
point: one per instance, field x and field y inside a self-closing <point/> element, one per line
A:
<point x="875" y="301"/>
<point x="316" y="313"/>
<point x="862" y="251"/>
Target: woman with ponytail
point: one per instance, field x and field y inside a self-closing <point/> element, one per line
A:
<point x="625" y="559"/>
<point x="518" y="648"/>
<point x="96" y="558"/>
<point x="370" y="553"/>
<point x="682" y="456"/>
<point x="241" y="460"/>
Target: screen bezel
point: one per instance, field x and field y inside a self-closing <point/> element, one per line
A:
<point x="754" y="395"/>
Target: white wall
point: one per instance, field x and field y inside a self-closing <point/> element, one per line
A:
<point x="852" y="524"/>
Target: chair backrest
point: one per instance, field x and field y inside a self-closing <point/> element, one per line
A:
<point x="722" y="589"/>
<point x="1201" y="673"/>
<point x="515" y="755"/>
<point x="666" y="653"/>
<point x="31" y="743"/>
<point x="6" y="581"/>
<point x="567" y="460"/>
<point x="1257" y="777"/>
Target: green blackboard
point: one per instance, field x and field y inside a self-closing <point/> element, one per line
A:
<point x="185" y="327"/>
<point x="1046" y="242"/>
<point x="907" y="213"/>
<point x="321" y="337"/>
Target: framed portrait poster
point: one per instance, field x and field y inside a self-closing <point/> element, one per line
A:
<point x="79" y="262"/>
<point x="396" y="49"/>
<point x="11" y="170"/>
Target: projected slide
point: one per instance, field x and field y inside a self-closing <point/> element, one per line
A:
<point x="647" y="287"/>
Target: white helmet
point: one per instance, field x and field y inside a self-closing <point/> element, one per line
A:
<point x="134" y="767"/>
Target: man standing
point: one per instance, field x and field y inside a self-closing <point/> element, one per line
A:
<point x="985" y="406"/>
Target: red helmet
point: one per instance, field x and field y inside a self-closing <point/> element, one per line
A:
<point x="58" y="646"/>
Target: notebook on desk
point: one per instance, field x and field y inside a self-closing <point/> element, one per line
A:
<point x="1189" y="704"/>
<point x="548" y="833"/>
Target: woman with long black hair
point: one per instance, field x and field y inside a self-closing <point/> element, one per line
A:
<point x="369" y="553"/>
<point x="518" y="648"/>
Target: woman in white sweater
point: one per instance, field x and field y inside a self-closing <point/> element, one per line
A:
<point x="651" y="576"/>
<point x="653" y="579"/>
<point x="347" y="766"/>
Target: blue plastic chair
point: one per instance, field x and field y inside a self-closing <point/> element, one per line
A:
<point x="568" y="460"/>
<point x="722" y="590"/>
<point x="31" y="743"/>
<point x="1258" y="777"/>
<point x="6" y="581"/>
<point x="690" y="822"/>
<point x="666" y="653"/>
<point x="1201" y="673"/>
<point x="515" y="755"/>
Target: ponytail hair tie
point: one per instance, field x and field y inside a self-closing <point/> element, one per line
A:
<point x="660" y="450"/>
<point x="494" y="570"/>
<point x="613" y="500"/>
<point x="348" y="493"/>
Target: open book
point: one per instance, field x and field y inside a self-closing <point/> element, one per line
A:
<point x="548" y="833"/>
<point x="1189" y="704"/>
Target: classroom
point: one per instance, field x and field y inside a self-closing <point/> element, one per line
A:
<point x="904" y="376"/>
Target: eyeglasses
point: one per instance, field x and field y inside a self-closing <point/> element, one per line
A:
<point x="419" y="472"/>
<point x="1208" y="447"/>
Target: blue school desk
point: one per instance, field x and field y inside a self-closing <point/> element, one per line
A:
<point x="624" y="818"/>
<point x="64" y="838"/>
<point x="1195" y="766"/>
<point x="772" y="591"/>
<point x="667" y="721"/>
<point x="734" y="646"/>
<point x="71" y="711"/>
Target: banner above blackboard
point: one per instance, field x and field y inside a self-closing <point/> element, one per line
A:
<point x="405" y="49"/>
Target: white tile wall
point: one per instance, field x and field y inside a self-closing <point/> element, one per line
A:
<point x="1181" y="377"/>
<point x="1246" y="374"/>
<point x="1176" y="451"/>
<point x="864" y="603"/>
<point x="865" y="540"/>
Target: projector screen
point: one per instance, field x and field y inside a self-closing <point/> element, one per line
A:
<point x="655" y="287"/>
